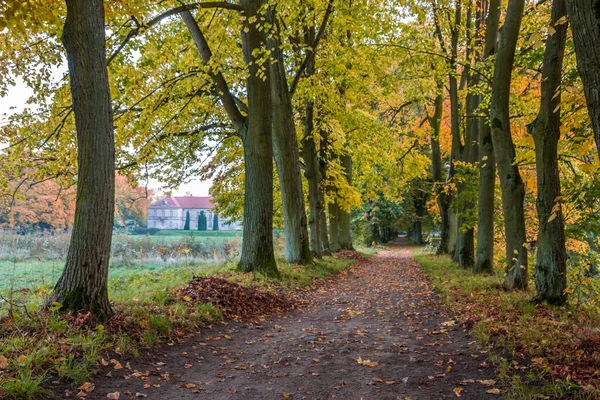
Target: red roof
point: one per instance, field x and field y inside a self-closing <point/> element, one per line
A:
<point x="204" y="202"/>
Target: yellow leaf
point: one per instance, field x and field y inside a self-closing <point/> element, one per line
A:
<point x="286" y="395"/>
<point x="457" y="391"/>
<point x="3" y="362"/>
<point x="493" y="391"/>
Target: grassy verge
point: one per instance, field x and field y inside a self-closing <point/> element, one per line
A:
<point x="539" y="351"/>
<point x="37" y="348"/>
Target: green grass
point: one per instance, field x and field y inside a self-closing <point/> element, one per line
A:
<point x="178" y="234"/>
<point x="514" y="330"/>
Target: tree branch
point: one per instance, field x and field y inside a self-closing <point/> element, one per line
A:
<point x="227" y="98"/>
<point x="311" y="53"/>
<point x="187" y="7"/>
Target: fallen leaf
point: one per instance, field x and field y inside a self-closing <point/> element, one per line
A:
<point x="286" y="395"/>
<point x="114" y="396"/>
<point x="487" y="382"/>
<point x="457" y="391"/>
<point x="493" y="391"/>
<point x="3" y="362"/>
<point x="87" y="387"/>
<point x="367" y="363"/>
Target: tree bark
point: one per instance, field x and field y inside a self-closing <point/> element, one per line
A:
<point x="513" y="189"/>
<point x="287" y="159"/>
<point x="345" y="229"/>
<point x="309" y="154"/>
<point x="551" y="266"/>
<point x="257" y="246"/>
<point x="585" y="24"/>
<point x="321" y="204"/>
<point x="484" y="256"/>
<point x="83" y="283"/>
<point x="334" y="228"/>
<point x="438" y="182"/>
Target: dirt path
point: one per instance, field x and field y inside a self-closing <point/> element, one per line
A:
<point x="380" y="311"/>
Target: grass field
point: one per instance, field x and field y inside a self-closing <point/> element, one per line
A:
<point x="36" y="261"/>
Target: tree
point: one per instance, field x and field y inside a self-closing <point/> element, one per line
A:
<point x="215" y="222"/>
<point x="484" y="255"/>
<point x="551" y="260"/>
<point x="186" y="226"/>
<point x="286" y="155"/>
<point x="83" y="283"/>
<point x="513" y="190"/>
<point x="202" y="223"/>
<point x="584" y="15"/>
<point x="254" y="127"/>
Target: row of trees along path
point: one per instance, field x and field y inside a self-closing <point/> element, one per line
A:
<point x="263" y="123"/>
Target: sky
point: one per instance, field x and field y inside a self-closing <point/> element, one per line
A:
<point x="16" y="100"/>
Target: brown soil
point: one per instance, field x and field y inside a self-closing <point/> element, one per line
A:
<point x="373" y="332"/>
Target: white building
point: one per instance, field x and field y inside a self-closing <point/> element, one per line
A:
<point x="170" y="213"/>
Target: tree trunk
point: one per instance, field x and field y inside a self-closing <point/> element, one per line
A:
<point x="551" y="267"/>
<point x="285" y="148"/>
<point x="438" y="182"/>
<point x="345" y="228"/>
<point x="321" y="204"/>
<point x="585" y="24"/>
<point x="83" y="283"/>
<point x="513" y="189"/>
<point x="417" y="228"/>
<point x="465" y="244"/>
<point x="484" y="258"/>
<point x="309" y="154"/>
<point x="257" y="246"/>
<point x="334" y="228"/>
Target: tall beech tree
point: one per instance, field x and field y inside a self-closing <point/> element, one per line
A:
<point x="484" y="255"/>
<point x="83" y="283"/>
<point x="584" y="16"/>
<point x="287" y="157"/>
<point x="513" y="189"/>
<point x="254" y="127"/>
<point x="551" y="257"/>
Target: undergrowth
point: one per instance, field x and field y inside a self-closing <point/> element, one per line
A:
<point x="40" y="348"/>
<point x="540" y="351"/>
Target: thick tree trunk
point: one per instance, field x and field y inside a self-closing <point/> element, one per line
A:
<point x="551" y="266"/>
<point x="513" y="189"/>
<point x="345" y="237"/>
<point x="311" y="173"/>
<point x="438" y="182"/>
<point x="257" y="246"/>
<point x="584" y="16"/>
<point x="334" y="228"/>
<point x="484" y="258"/>
<point x="83" y="283"/>
<point x="287" y="159"/>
